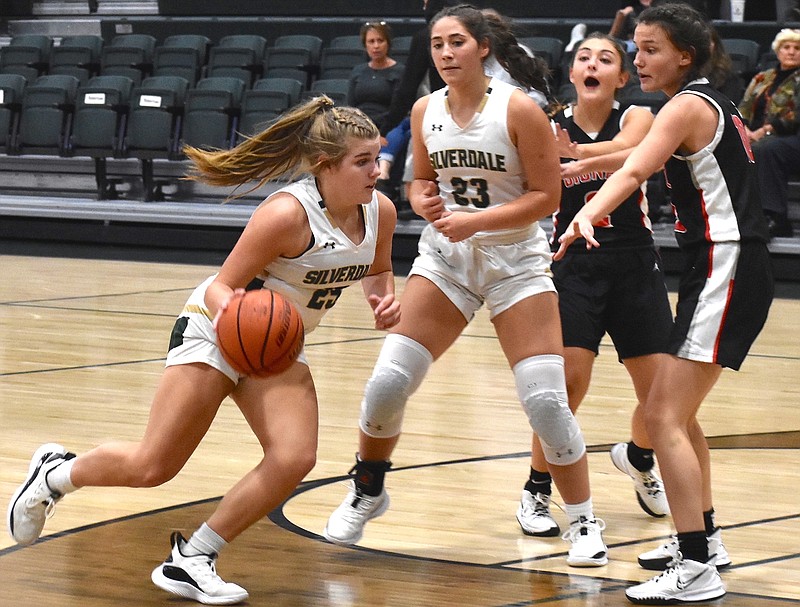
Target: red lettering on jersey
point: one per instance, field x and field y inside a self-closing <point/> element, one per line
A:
<point x="737" y="122"/>
<point x="605" y="222"/>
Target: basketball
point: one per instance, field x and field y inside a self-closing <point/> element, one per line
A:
<point x="260" y="333"/>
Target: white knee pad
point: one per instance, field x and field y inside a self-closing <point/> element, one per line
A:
<point x="400" y="369"/>
<point x="543" y="391"/>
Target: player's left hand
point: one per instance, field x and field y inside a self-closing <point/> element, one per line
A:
<point x="386" y="310"/>
<point x="579" y="227"/>
<point x="456" y="226"/>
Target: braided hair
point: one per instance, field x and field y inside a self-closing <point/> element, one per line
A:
<point x="307" y="138"/>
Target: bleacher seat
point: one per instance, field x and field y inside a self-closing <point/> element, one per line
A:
<point x="339" y="62"/>
<point x="27" y="55"/>
<point x="400" y="48"/>
<point x="744" y="55"/>
<point x="335" y="88"/>
<point x="182" y="55"/>
<point x="548" y="48"/>
<point x="238" y="56"/>
<point x="268" y="98"/>
<point x="154" y="125"/>
<point x="77" y="56"/>
<point x="295" y="51"/>
<point x="767" y="61"/>
<point x="290" y="88"/>
<point x="12" y="87"/>
<point x="346" y="41"/>
<point x="101" y="114"/>
<point x="129" y="55"/>
<point x="288" y="73"/>
<point x="48" y="107"/>
<point x="211" y="114"/>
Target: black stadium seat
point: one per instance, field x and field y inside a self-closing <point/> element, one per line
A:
<point x="27" y="55"/>
<point x="12" y="87"/>
<point x="211" y="113"/>
<point x="181" y="55"/>
<point x="339" y="62"/>
<point x="77" y="56"/>
<point x="129" y="55"/>
<point x="154" y="125"/>
<point x="239" y="56"/>
<point x="335" y="88"/>
<point x="48" y="107"/>
<point x="101" y="115"/>
<point x="268" y="98"/>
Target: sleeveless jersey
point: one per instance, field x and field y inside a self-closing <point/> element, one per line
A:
<point x="315" y="279"/>
<point x="628" y="226"/>
<point x="715" y="190"/>
<point x="477" y="166"/>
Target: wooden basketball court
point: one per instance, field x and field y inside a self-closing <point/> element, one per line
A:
<point x="83" y="343"/>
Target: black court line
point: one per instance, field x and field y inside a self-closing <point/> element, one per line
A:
<point x="25" y="302"/>
<point x="279" y="519"/>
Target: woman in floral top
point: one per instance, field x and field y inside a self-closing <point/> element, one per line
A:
<point x="770" y="110"/>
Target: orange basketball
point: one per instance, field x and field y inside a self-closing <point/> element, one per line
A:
<point x="260" y="333"/>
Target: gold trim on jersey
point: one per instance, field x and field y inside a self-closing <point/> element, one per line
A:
<point x="481" y="105"/>
<point x="195" y="309"/>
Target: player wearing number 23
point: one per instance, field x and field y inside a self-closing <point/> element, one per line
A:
<point x="485" y="171"/>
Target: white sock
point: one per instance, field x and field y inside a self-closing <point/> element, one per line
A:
<point x="58" y="478"/>
<point x="204" y="541"/>
<point x="574" y="512"/>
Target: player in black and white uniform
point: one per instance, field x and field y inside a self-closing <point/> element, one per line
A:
<point x="309" y="240"/>
<point x="486" y="170"/>
<point x="617" y="289"/>
<point x="726" y="286"/>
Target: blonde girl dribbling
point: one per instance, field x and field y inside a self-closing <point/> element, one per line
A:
<point x="330" y="220"/>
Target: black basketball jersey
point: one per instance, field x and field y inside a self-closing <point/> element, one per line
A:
<point x="715" y="191"/>
<point x="628" y="226"/>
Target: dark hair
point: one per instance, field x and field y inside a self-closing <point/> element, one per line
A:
<point x="720" y="65"/>
<point x="383" y="28"/>
<point x="530" y="72"/>
<point x="687" y="29"/>
<point x="613" y="40"/>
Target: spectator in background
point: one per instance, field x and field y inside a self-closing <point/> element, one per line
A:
<point x="419" y="78"/>
<point x="373" y="84"/>
<point x="770" y="110"/>
<point x="625" y="22"/>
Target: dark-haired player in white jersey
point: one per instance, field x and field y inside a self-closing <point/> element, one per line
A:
<point x="726" y="287"/>
<point x="309" y="240"/>
<point x="617" y="289"/>
<point x="486" y="170"/>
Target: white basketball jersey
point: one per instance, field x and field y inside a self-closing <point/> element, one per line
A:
<point x="477" y="166"/>
<point x="315" y="279"/>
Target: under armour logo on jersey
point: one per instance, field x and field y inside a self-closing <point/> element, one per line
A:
<point x="437" y="127"/>
<point x="330" y="244"/>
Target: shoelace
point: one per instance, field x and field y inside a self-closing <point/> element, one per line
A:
<point x="575" y="528"/>
<point x="651" y="483"/>
<point x="541" y="505"/>
<point x="203" y="570"/>
<point x="673" y="567"/>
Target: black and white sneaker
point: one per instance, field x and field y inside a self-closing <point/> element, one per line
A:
<point x="195" y="577"/>
<point x="684" y="581"/>
<point x="34" y="501"/>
